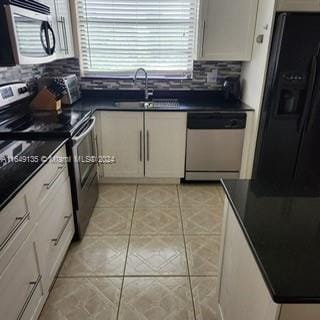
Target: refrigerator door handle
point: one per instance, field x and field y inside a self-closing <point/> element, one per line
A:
<point x="311" y="83"/>
<point x="316" y="95"/>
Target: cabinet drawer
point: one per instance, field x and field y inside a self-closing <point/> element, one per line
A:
<point x="55" y="232"/>
<point x="21" y="283"/>
<point x="50" y="178"/>
<point x="16" y="221"/>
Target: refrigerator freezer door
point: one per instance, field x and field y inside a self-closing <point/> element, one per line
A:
<point x="289" y="88"/>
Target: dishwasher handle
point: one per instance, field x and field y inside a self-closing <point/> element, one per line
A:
<point x="207" y="121"/>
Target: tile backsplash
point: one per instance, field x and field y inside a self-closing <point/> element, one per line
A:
<point x="199" y="81"/>
<point x="26" y="73"/>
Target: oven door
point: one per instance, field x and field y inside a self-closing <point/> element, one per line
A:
<point x="85" y="174"/>
<point x="32" y="38"/>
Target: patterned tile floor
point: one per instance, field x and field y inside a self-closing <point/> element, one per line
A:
<point x="150" y="253"/>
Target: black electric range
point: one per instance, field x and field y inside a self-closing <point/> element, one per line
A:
<point x="19" y="121"/>
<point x="22" y="122"/>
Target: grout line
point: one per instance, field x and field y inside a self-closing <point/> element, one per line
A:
<point x="126" y="259"/>
<point x="185" y="249"/>
<point x="139" y="276"/>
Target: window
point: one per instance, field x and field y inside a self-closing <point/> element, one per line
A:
<point x="119" y="36"/>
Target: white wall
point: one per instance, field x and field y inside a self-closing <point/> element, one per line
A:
<point x="253" y="80"/>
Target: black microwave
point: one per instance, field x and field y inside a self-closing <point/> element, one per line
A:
<point x="26" y="33"/>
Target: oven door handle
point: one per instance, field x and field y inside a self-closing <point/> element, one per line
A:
<point x="77" y="139"/>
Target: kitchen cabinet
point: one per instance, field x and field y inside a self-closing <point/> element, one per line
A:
<point x="298" y="5"/>
<point x="65" y="48"/>
<point x="55" y="231"/>
<point x="21" y="294"/>
<point x="61" y="21"/>
<point x="243" y="294"/>
<point x="242" y="291"/>
<point x="144" y="144"/>
<point x="36" y="230"/>
<point x="122" y="137"/>
<point x="165" y="136"/>
<point x="226" y="29"/>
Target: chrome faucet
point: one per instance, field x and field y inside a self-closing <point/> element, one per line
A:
<point x="147" y="93"/>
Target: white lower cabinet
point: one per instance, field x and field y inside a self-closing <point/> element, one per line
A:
<point x="165" y="136"/>
<point x="242" y="292"/>
<point x="122" y="137"/>
<point x="36" y="229"/>
<point x="21" y="284"/>
<point x="144" y="144"/>
<point x="55" y="231"/>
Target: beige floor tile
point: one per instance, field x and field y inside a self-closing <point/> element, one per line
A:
<point x="204" y="291"/>
<point x="121" y="195"/>
<point x="153" y="220"/>
<point x="157" y="196"/>
<point x="97" y="256"/>
<point x="83" y="299"/>
<point x="198" y="194"/>
<point x="202" y="219"/>
<point x="156" y="255"/>
<point x="110" y="221"/>
<point x="156" y="299"/>
<point x="221" y="192"/>
<point x="203" y="255"/>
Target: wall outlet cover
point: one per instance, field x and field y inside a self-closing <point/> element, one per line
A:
<point x="212" y="77"/>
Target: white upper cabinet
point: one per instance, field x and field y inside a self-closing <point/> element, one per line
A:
<point x="226" y="29"/>
<point x="122" y="137"/>
<point x="165" y="136"/>
<point x="61" y="21"/>
<point x="298" y="5"/>
<point x="64" y="29"/>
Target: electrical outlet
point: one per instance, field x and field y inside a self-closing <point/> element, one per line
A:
<point x="212" y="77"/>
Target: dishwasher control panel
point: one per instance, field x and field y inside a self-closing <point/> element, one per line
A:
<point x="216" y="120"/>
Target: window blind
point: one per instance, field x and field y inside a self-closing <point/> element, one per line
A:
<point x="119" y="36"/>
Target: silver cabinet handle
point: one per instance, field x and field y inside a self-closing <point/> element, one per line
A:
<point x="140" y="145"/>
<point x="55" y="178"/>
<point x="18" y="223"/>
<point x="57" y="239"/>
<point x="148" y="145"/>
<point x="25" y="305"/>
<point x="65" y="36"/>
<point x="203" y="37"/>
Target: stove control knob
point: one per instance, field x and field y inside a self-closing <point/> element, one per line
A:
<point x="23" y="90"/>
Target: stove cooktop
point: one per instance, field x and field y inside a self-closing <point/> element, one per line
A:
<point x="22" y="122"/>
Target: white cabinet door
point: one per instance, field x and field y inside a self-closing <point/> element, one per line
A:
<point x="165" y="136"/>
<point x="21" y="294"/>
<point x="226" y="29"/>
<point x="55" y="231"/>
<point x="243" y="294"/>
<point x="122" y="137"/>
<point x="298" y="5"/>
<point x="65" y="47"/>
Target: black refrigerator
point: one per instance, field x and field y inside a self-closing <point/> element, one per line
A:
<point x="288" y="145"/>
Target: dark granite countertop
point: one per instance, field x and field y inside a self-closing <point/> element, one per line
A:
<point x="15" y="175"/>
<point x="189" y="101"/>
<point x="282" y="226"/>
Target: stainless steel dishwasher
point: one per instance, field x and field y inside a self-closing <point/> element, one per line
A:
<point x="214" y="145"/>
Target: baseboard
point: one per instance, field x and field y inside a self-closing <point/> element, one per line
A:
<point x="144" y="180"/>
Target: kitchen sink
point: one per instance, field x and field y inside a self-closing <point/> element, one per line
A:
<point x="155" y="104"/>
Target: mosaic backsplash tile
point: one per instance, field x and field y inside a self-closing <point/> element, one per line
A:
<point x="67" y="66"/>
<point x="25" y="73"/>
